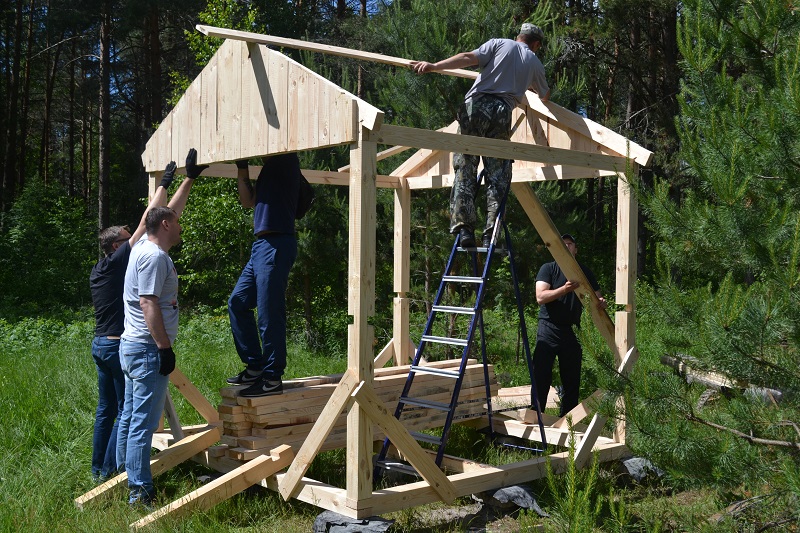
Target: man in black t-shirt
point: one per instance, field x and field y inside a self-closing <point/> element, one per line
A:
<point x="560" y="309"/>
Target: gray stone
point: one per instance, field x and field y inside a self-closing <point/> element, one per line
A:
<point x="330" y="522"/>
<point x="639" y="468"/>
<point x="511" y="498"/>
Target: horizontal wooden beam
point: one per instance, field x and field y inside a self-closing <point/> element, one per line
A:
<point x="322" y="177"/>
<point x="419" y="493"/>
<point x="520" y="175"/>
<point x="469" y="144"/>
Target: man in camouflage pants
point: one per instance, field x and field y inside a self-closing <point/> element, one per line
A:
<point x="508" y="69"/>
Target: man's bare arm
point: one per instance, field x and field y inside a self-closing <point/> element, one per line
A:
<point x="154" y="320"/>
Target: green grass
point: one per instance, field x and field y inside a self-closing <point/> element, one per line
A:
<point x="48" y="396"/>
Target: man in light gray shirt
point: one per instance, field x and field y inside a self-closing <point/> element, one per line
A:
<point x="508" y="69"/>
<point x="150" y="298"/>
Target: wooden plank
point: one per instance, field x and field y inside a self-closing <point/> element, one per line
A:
<point x="469" y="144"/>
<point x="584" y="448"/>
<point x="172" y="416"/>
<point x="193" y="396"/>
<point x="257" y="99"/>
<point x="552" y="239"/>
<point x="208" y="112"/>
<point x="224" y="487"/>
<point x="161" y="462"/>
<point x="339" y="401"/>
<point x="627" y="236"/>
<point x="419" y="493"/>
<point x="580" y="411"/>
<point x="403" y="349"/>
<point x="385" y="355"/>
<point x="229" y="100"/>
<point x="410" y="448"/>
<point x="278" y="76"/>
<point x="600" y="134"/>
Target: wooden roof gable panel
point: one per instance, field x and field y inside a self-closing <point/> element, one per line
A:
<point x="251" y="101"/>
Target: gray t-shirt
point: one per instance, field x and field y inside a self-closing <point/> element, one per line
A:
<point x="508" y="69"/>
<point x="150" y="272"/>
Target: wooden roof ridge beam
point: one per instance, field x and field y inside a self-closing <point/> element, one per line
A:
<point x="224" y="487"/>
<point x="404" y="442"/>
<point x="298" y="44"/>
<point x="591" y="129"/>
<point x="370" y="116"/>
<point x="552" y="239"/>
<point x="553" y="111"/>
<point x="473" y="145"/>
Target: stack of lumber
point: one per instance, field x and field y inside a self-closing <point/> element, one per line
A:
<point x="253" y="426"/>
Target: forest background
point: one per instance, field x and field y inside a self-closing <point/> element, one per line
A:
<point x="712" y="87"/>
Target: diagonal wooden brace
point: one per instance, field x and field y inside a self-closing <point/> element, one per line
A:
<point x="404" y="442"/>
<point x="224" y="487"/>
<point x="552" y="239"/>
<point x="161" y="462"/>
<point x="339" y="401"/>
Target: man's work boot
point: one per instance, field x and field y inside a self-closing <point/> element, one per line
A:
<point x="466" y="237"/>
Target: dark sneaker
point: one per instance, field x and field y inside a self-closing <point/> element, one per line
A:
<point x="245" y="377"/>
<point x="262" y="387"/>
<point x="487" y="240"/>
<point x="466" y="238"/>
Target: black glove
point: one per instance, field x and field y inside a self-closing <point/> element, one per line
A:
<point x="192" y="168"/>
<point x="168" y="175"/>
<point x="167" y="358"/>
<point x="242" y="163"/>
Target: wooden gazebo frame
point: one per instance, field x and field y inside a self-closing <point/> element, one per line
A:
<point x="252" y="101"/>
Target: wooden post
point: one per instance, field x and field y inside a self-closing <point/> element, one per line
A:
<point x="361" y="305"/>
<point x="402" y="261"/>
<point x="625" y="320"/>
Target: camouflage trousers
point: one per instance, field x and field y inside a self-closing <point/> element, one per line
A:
<point x="484" y="116"/>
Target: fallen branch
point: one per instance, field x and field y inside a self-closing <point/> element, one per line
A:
<point x="718" y="381"/>
<point x="745" y="436"/>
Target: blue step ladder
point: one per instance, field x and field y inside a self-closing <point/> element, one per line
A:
<point x="478" y="283"/>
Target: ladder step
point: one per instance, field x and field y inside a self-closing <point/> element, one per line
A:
<point x="444" y="340"/>
<point x="463" y="279"/>
<point x="435" y="371"/>
<point x="393" y="466"/>
<point x="453" y="309"/>
<point x="424" y="437"/>
<point x="428" y="404"/>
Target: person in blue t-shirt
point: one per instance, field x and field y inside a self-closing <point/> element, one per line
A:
<point x="261" y="344"/>
<point x="508" y="68"/>
<point x="560" y="310"/>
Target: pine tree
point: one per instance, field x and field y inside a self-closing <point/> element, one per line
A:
<point x="729" y="252"/>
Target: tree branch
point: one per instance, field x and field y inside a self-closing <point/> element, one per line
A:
<point x="745" y="436"/>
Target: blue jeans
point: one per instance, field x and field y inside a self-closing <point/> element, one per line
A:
<point x="262" y="286"/>
<point x="145" y="392"/>
<point x="110" y="398"/>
